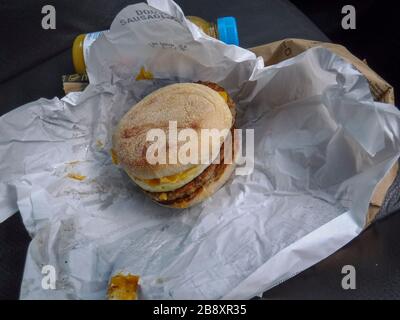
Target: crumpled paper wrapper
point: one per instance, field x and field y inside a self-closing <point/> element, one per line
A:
<point x="281" y="50"/>
<point x="321" y="146"/>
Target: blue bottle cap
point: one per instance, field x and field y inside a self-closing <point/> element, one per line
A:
<point x="227" y="30"/>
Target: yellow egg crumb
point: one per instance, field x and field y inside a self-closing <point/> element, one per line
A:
<point x="76" y="176"/>
<point x="144" y="75"/>
<point x="123" y="287"/>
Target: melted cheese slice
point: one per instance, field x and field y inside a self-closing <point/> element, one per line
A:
<point x="169" y="183"/>
<point x="170" y="179"/>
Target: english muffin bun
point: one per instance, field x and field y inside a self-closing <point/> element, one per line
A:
<point x="193" y="106"/>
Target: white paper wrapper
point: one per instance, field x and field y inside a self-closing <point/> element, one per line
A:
<point x="321" y="146"/>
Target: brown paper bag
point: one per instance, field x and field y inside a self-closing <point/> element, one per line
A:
<point x="381" y="90"/>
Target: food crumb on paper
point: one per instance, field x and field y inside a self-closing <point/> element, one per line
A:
<point x="76" y="176"/>
<point x="114" y="157"/>
<point x="144" y="75"/>
<point x="123" y="287"/>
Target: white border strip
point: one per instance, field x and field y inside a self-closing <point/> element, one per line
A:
<point x="298" y="256"/>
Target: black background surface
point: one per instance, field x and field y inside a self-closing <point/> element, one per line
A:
<point x="32" y="61"/>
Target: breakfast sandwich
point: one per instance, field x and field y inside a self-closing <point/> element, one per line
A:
<point x="195" y="106"/>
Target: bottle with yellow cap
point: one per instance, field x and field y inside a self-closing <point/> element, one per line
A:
<point x="224" y="29"/>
